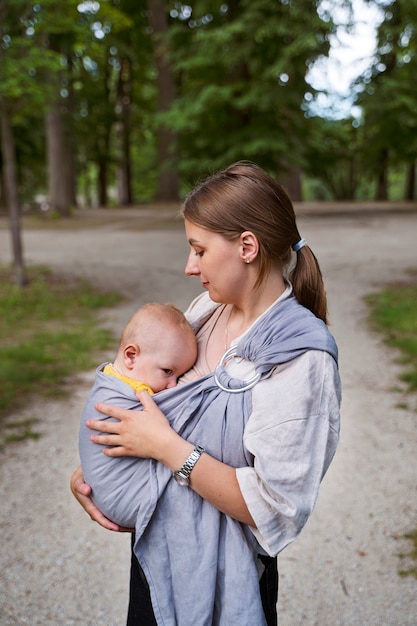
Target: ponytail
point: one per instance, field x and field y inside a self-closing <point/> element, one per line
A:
<point x="308" y="285"/>
<point x="245" y="197"/>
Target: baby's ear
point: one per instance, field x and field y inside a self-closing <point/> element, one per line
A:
<point x="130" y="353"/>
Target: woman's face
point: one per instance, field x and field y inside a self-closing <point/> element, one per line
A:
<point x="217" y="262"/>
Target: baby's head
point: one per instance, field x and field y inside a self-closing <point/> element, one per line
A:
<point x="157" y="346"/>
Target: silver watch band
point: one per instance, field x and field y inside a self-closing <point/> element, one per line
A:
<point x="183" y="474"/>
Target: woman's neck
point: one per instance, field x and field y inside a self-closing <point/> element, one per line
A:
<point x="241" y="315"/>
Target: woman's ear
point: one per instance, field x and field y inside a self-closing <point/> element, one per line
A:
<point x="130" y="353"/>
<point x="249" y="246"/>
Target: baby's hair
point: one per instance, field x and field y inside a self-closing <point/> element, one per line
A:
<point x="147" y="320"/>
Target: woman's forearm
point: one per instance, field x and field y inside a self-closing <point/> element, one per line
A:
<point x="147" y="434"/>
<point x="213" y="480"/>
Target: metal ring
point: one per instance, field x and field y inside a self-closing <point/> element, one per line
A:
<point x="230" y="353"/>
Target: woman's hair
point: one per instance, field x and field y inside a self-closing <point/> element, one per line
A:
<point x="244" y="197"/>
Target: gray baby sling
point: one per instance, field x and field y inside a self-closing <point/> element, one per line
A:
<point x="201" y="565"/>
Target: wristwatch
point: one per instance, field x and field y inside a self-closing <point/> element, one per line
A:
<point x="182" y="476"/>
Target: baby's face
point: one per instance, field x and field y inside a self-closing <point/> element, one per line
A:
<point x="161" y="366"/>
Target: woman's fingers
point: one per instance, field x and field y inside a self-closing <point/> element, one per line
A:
<point x="82" y="492"/>
<point x="135" y="433"/>
<point x="104" y="426"/>
<point x="106" y="440"/>
<point x="112" y="411"/>
<point x="77" y="484"/>
<point x="146" y="400"/>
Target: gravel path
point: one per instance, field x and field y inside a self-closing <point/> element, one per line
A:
<point x="58" y="568"/>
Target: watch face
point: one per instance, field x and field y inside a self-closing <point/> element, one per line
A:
<point x="181" y="480"/>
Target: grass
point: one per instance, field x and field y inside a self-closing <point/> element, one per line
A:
<point x="393" y="313"/>
<point x="410" y="556"/>
<point x="48" y="332"/>
<point x="19" y="430"/>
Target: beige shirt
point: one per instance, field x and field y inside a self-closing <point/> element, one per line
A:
<point x="292" y="432"/>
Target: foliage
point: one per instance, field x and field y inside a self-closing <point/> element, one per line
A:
<point x="387" y="92"/>
<point x="48" y="332"/>
<point x="97" y="71"/>
<point x="333" y="156"/>
<point x="240" y="95"/>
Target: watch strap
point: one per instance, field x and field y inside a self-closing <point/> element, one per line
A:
<point x="183" y="474"/>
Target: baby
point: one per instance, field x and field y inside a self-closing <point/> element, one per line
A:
<point x="157" y="346"/>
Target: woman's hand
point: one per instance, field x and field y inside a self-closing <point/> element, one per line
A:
<point x="148" y="434"/>
<point x="82" y="493"/>
<point x="143" y="433"/>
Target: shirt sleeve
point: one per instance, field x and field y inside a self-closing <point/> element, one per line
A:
<point x="292" y="435"/>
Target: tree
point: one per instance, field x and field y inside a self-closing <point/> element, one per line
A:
<point x="240" y="70"/>
<point x="153" y="94"/>
<point x="106" y="72"/>
<point x="20" y="92"/>
<point x="388" y="96"/>
<point x="333" y="156"/>
<point x="51" y="26"/>
<point x="10" y="183"/>
<point x="168" y="183"/>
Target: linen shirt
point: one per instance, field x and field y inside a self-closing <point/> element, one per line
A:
<point x="292" y="434"/>
<point x="280" y="435"/>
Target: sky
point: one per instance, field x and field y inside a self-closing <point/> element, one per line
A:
<point x="350" y="55"/>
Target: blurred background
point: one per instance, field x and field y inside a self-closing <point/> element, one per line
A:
<point x="123" y="102"/>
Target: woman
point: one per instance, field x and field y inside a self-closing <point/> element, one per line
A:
<point x="268" y="413"/>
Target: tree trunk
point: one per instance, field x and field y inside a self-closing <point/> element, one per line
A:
<point x="411" y="181"/>
<point x="124" y="178"/>
<point x="60" y="194"/>
<point x="291" y="181"/>
<point x="70" y="138"/>
<point x="102" y="181"/>
<point x="382" y="180"/>
<point x="11" y="192"/>
<point x="168" y="185"/>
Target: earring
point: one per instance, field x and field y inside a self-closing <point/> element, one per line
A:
<point x="247" y="260"/>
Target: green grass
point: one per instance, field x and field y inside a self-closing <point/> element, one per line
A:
<point x="411" y="556"/>
<point x="393" y="313"/>
<point x="20" y="430"/>
<point x="48" y="332"/>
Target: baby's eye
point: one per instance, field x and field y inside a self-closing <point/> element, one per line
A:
<point x="167" y="372"/>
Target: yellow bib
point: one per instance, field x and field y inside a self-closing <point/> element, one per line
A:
<point x="135" y="384"/>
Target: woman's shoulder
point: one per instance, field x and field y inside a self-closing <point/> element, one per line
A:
<point x="308" y="386"/>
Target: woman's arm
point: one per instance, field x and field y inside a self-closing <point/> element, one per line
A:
<point x="148" y="434"/>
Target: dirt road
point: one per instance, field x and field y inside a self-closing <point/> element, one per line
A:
<point x="58" y="568"/>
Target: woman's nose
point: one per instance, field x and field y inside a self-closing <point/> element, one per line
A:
<point x="191" y="267"/>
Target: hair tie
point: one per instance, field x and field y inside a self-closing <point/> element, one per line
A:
<point x="300" y="244"/>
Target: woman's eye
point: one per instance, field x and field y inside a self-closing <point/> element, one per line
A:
<point x="199" y="253"/>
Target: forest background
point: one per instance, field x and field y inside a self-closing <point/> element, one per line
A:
<point x="120" y="102"/>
